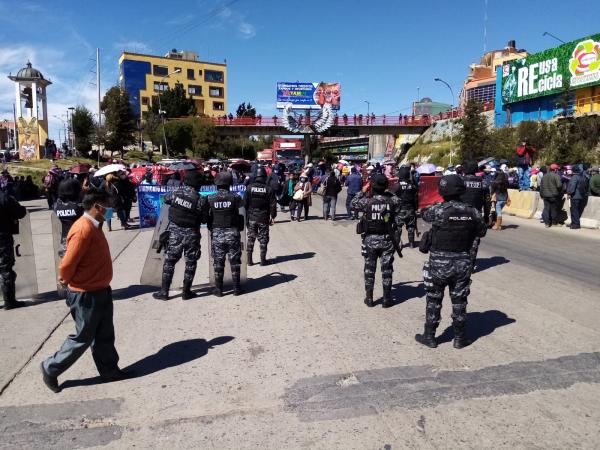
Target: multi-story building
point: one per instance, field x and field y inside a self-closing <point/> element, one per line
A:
<point x="480" y="84"/>
<point x="144" y="77"/>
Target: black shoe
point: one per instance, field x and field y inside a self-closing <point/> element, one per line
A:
<point x="411" y="243"/>
<point x="263" y="259"/>
<point x="461" y="340"/>
<point x="50" y="382"/>
<point x="217" y="292"/>
<point x="387" y="299"/>
<point x="188" y="294"/>
<point x="574" y="227"/>
<point x="369" y="299"/>
<point x="160" y="295"/>
<point x="218" y="289"/>
<point x="237" y="290"/>
<point x="250" y="262"/>
<point x="118" y="376"/>
<point x="427" y="340"/>
<point x="13" y="305"/>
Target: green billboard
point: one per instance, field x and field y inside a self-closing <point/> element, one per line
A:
<point x="573" y="65"/>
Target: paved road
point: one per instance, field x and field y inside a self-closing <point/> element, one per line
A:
<point x="300" y="362"/>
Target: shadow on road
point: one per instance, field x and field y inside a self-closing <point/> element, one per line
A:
<point x="268" y="281"/>
<point x="171" y="355"/>
<point x="402" y="292"/>
<point x="297" y="256"/>
<point x="133" y="291"/>
<point x="479" y="324"/>
<point x="510" y="227"/>
<point x="487" y="263"/>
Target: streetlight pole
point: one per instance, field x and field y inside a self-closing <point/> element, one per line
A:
<point x="451" y="116"/>
<point x="71" y="132"/>
<point x="368" y="108"/>
<point x="161" y="112"/>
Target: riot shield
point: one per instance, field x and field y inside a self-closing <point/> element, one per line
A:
<point x="26" y="284"/>
<point x="227" y="278"/>
<point x="153" y="266"/>
<point x="56" y="243"/>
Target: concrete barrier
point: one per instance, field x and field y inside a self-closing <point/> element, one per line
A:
<point x="522" y="203"/>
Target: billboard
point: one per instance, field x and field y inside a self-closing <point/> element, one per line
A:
<point x="308" y="95"/>
<point x="573" y="65"/>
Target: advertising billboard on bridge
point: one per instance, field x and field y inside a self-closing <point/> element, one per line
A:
<point x="308" y="95"/>
<point x="573" y="65"/>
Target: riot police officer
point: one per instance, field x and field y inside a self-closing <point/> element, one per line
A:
<point x="225" y="223"/>
<point x="185" y="218"/>
<point x="68" y="209"/>
<point x="408" y="194"/>
<point x="477" y="195"/>
<point x="261" y="207"/>
<point x="10" y="213"/>
<point x="454" y="228"/>
<point x="381" y="216"/>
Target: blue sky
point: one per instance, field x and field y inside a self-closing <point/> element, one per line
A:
<point x="381" y="51"/>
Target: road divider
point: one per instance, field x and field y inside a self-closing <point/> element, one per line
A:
<point x="522" y="203"/>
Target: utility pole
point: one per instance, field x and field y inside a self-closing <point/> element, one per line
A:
<point x="15" y="136"/>
<point x="99" y="100"/>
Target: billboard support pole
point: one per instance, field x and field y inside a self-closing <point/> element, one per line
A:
<point x="307" y="155"/>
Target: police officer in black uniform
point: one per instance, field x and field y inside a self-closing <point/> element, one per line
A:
<point x="408" y="194"/>
<point x="10" y="213"/>
<point x="380" y="219"/>
<point x="185" y="218"/>
<point x="477" y="195"/>
<point x="225" y="223"/>
<point x="68" y="209"/>
<point x="454" y="228"/>
<point x="261" y="208"/>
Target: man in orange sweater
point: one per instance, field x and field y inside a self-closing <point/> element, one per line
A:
<point x="87" y="271"/>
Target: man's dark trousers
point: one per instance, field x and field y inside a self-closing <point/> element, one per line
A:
<point x="551" y="209"/>
<point x="349" y="198"/>
<point x="93" y="315"/>
<point x="577" y="206"/>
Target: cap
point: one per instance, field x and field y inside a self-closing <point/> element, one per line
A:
<point x="404" y="173"/>
<point x="554" y="166"/>
<point x="194" y="179"/>
<point x="223" y="179"/>
<point x="470" y="167"/>
<point x="379" y="183"/>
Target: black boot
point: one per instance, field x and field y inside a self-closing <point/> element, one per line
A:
<point x="428" y="337"/>
<point x="237" y="289"/>
<point x="218" y="289"/>
<point x="459" y="323"/>
<point x="250" y="262"/>
<point x="387" y="298"/>
<point x="369" y="298"/>
<point x="187" y="293"/>
<point x="8" y="292"/>
<point x="411" y="241"/>
<point x="163" y="294"/>
<point x="460" y="336"/>
<point x="263" y="258"/>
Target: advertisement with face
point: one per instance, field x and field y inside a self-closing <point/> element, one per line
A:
<point x="308" y="95"/>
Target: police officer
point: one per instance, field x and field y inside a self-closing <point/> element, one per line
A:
<point x="381" y="213"/>
<point x="68" y="209"/>
<point x="454" y="228"/>
<point x="261" y="207"/>
<point x="477" y="195"/>
<point x="408" y="194"/>
<point x="185" y="218"/>
<point x="225" y="223"/>
<point x="10" y="213"/>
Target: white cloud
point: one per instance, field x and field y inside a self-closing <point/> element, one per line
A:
<point x="181" y="20"/>
<point x="133" y="46"/>
<point x="247" y="30"/>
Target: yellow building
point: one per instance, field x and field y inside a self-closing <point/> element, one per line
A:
<point x="145" y="76"/>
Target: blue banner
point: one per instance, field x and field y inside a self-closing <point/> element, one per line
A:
<point x="151" y="199"/>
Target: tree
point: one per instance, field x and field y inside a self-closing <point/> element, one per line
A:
<point x="179" y="136"/>
<point x="120" y="120"/>
<point x="83" y="128"/>
<point x="175" y="103"/>
<point x="151" y="128"/>
<point x="245" y="110"/>
<point x="473" y="136"/>
<point x="203" y="137"/>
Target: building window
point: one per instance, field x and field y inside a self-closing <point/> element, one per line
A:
<point x="190" y="74"/>
<point x="178" y="70"/>
<point x="219" y="106"/>
<point x="160" y="71"/>
<point x="200" y="72"/>
<point x="194" y="90"/>
<point x="160" y="86"/>
<point x="145" y="101"/>
<point x="213" y="75"/>
<point x="214" y="91"/>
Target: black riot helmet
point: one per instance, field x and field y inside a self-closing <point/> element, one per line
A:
<point x="451" y="186"/>
<point x="261" y="175"/>
<point x="404" y="173"/>
<point x="470" y="167"/>
<point x="379" y="183"/>
<point x="194" y="179"/>
<point x="223" y="180"/>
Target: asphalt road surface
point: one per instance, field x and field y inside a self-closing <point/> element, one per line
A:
<point x="300" y="362"/>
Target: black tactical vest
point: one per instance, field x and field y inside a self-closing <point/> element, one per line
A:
<point x="67" y="213"/>
<point x="405" y="191"/>
<point x="184" y="208"/>
<point x="259" y="196"/>
<point x="457" y="232"/>
<point x="376" y="215"/>
<point x="224" y="210"/>
<point x="475" y="193"/>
